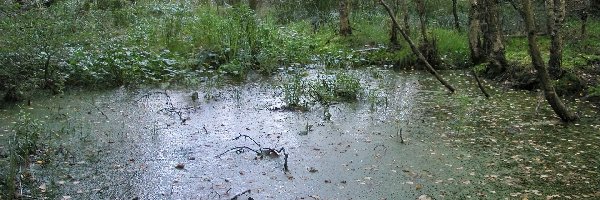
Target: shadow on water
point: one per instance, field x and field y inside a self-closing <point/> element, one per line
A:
<point x="402" y="139"/>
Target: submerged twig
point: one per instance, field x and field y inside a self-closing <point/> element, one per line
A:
<point x="400" y="135"/>
<point x="381" y="145"/>
<point x="480" y="85"/>
<point x="240" y="194"/>
<point x="260" y="151"/>
<point x="285" y="164"/>
<point x="239" y="150"/>
<point x="145" y="96"/>
<point x="101" y="112"/>
<point x="247" y="137"/>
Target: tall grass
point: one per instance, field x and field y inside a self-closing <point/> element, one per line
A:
<point x="452" y="46"/>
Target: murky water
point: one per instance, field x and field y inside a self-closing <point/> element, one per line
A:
<point x="161" y="144"/>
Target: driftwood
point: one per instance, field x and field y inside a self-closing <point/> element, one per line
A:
<point x="415" y="50"/>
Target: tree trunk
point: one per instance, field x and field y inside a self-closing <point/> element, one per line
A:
<point x="492" y="36"/>
<point x="394" y="44"/>
<point x="345" y="28"/>
<point x="455" y="14"/>
<point x="253" y="4"/>
<point x="422" y="19"/>
<point x="538" y="63"/>
<point x="414" y="48"/>
<point x="406" y="16"/>
<point x="475" y="33"/>
<point x="556" y="17"/>
<point x="584" y="19"/>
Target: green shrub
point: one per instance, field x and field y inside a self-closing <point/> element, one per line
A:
<point x="594" y="91"/>
<point x="339" y="87"/>
<point x="346" y="87"/>
<point x="294" y="93"/>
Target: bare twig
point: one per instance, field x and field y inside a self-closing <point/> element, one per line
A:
<point x="285" y="164"/>
<point x="145" y="96"/>
<point x="239" y="150"/>
<point x="400" y="135"/>
<point x="260" y="151"/>
<point x="247" y="137"/>
<point x="381" y="145"/>
<point x="240" y="194"/>
<point x="216" y="194"/>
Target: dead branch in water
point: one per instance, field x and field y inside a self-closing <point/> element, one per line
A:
<point x="240" y="194"/>
<point x="480" y="85"/>
<point x="260" y="151"/>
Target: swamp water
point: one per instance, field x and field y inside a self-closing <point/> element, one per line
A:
<point x="404" y="138"/>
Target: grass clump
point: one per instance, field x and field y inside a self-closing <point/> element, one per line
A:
<point x="339" y="87"/>
<point x="27" y="132"/>
<point x="328" y="89"/>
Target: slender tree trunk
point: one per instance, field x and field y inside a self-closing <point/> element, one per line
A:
<point x="406" y="16"/>
<point x="422" y="19"/>
<point x="455" y="14"/>
<point x="538" y="63"/>
<point x="475" y="33"/>
<point x="414" y="48"/>
<point x="556" y="17"/>
<point x="584" y="19"/>
<point x="493" y="44"/>
<point x="253" y="4"/>
<point x="394" y="44"/>
<point x="345" y="28"/>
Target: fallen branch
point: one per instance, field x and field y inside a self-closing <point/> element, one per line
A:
<point x="414" y="48"/>
<point x="480" y="85"/>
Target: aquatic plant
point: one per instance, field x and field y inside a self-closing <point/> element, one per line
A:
<point x="24" y="142"/>
<point x="294" y="93"/>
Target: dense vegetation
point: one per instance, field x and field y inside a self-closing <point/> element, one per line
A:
<point x="60" y="44"/>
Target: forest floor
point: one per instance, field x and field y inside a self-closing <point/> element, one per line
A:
<point x="404" y="138"/>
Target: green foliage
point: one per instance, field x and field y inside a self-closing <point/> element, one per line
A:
<point x="325" y="89"/>
<point x="452" y="47"/>
<point x="248" y="43"/>
<point x="27" y="132"/>
<point x="594" y="91"/>
<point x="339" y="87"/>
<point x="294" y="92"/>
<point x="371" y="29"/>
<point x="569" y="84"/>
<point x="346" y="87"/>
<point x="117" y="65"/>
